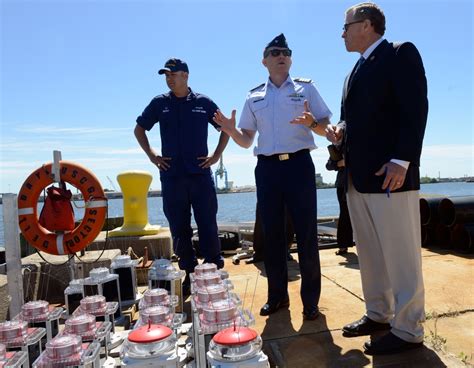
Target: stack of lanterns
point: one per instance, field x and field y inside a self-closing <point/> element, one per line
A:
<point x="214" y="308"/>
<point x="162" y="274"/>
<point x="215" y="305"/>
<point x="158" y="307"/>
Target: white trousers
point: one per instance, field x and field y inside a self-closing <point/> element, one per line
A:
<point x="387" y="233"/>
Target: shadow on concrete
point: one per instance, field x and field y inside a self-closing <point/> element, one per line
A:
<point x="448" y="250"/>
<point x="350" y="260"/>
<point x="278" y="325"/>
<point x="423" y="357"/>
<point x="302" y="349"/>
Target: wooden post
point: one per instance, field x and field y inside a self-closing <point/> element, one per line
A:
<point x="13" y="253"/>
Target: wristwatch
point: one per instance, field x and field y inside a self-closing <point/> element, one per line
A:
<point x="314" y="124"/>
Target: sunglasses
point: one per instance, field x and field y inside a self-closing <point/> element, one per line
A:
<point x="277" y="52"/>
<point x="346" y="26"/>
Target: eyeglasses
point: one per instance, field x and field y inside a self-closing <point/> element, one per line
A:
<point x="346" y="26"/>
<point x="277" y="52"/>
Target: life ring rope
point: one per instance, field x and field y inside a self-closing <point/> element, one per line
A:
<point x="96" y="204"/>
<point x="60" y="243"/>
<point x="26" y="211"/>
<point x="94" y="213"/>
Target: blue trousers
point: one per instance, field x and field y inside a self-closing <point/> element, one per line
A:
<point x="180" y="194"/>
<point x="291" y="183"/>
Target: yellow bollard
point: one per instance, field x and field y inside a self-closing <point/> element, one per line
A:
<point x="134" y="185"/>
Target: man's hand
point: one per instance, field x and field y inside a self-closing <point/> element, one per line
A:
<point x="334" y="133"/>
<point x="160" y="162"/>
<point x="395" y="175"/>
<point x="226" y="124"/>
<point x="307" y="118"/>
<point x="208" y="161"/>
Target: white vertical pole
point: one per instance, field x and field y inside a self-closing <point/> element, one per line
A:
<point x="56" y="171"/>
<point x="13" y="253"/>
<point x="56" y="167"/>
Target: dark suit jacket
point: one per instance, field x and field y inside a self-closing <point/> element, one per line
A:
<point x="384" y="113"/>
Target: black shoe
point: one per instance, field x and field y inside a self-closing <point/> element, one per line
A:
<point x="364" y="326"/>
<point x="310" y="314"/>
<point x="389" y="344"/>
<point x="341" y="251"/>
<point x="270" y="307"/>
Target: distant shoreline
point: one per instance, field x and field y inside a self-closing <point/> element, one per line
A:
<point x="252" y="188"/>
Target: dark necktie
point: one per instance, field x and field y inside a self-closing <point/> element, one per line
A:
<point x="356" y="69"/>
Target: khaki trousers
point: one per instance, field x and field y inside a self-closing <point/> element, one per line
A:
<point x="387" y="234"/>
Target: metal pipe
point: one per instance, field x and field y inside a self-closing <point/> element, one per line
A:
<point x="462" y="237"/>
<point x="428" y="236"/>
<point x="443" y="236"/>
<point x="456" y="210"/>
<point x="429" y="210"/>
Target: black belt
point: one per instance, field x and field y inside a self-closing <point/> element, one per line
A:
<point x="284" y="156"/>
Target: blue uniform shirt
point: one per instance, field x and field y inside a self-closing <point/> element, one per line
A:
<point x="183" y="129"/>
<point x="269" y="110"/>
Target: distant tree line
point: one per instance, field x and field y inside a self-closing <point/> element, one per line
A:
<point x="428" y="180"/>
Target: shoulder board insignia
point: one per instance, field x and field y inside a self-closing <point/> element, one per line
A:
<point x="303" y="80"/>
<point x="253" y="89"/>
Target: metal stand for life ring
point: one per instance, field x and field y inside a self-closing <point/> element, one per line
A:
<point x="56" y="176"/>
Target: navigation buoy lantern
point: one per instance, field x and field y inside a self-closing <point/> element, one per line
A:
<point x="68" y="351"/>
<point x="35" y="309"/>
<point x="150" y="345"/>
<point x="13" y="330"/>
<point x="237" y="347"/>
<point x="94" y="305"/>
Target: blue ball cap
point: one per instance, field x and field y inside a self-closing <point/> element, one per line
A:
<point x="174" y="65"/>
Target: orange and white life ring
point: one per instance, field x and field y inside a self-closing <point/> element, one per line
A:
<point x="94" y="213"/>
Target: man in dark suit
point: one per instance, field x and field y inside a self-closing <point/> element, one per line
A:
<point x="384" y="110"/>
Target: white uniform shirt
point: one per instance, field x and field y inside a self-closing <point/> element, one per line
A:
<point x="269" y="110"/>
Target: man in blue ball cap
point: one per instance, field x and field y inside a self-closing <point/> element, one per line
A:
<point x="184" y="164"/>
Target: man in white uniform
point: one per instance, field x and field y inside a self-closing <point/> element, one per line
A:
<point x="285" y="112"/>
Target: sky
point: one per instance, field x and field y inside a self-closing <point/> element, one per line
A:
<point x="74" y="75"/>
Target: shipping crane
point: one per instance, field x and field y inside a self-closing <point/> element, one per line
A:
<point x="221" y="172"/>
<point x="112" y="184"/>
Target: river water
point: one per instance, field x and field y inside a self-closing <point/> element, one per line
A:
<point x="240" y="207"/>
